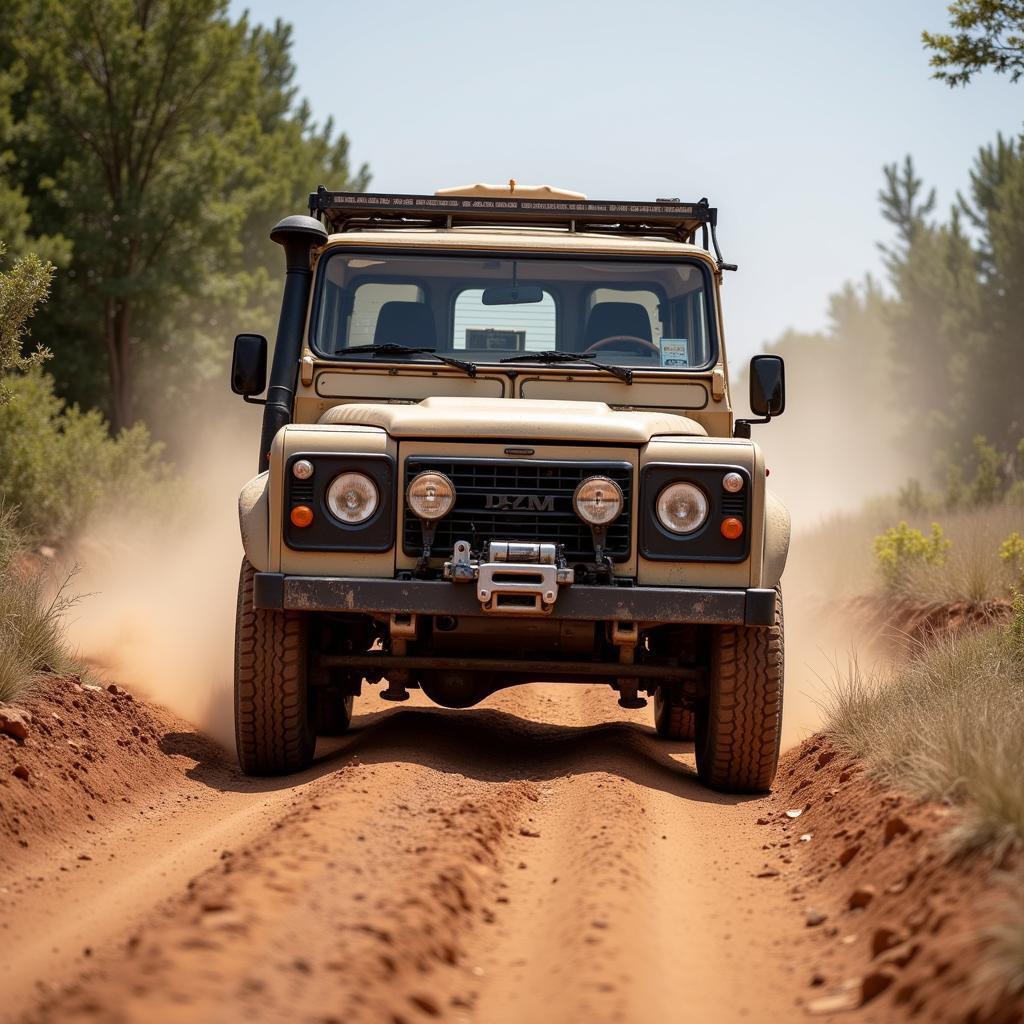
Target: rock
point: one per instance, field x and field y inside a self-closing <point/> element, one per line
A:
<point x="817" y="979"/>
<point x="874" y="984"/>
<point x="885" y="938"/>
<point x="15" y="722"/>
<point x="20" y="772"/>
<point x="115" y="690"/>
<point x="861" y="897"/>
<point x="530" y="833"/>
<point x="815" y="917"/>
<point x="894" y="827"/>
<point x="768" y="872"/>
<point x="901" y="955"/>
<point x="794" y="812"/>
<point x="853" y="994"/>
<point x="824" y="757"/>
<point x="848" y="854"/>
<point x="806" y="837"/>
<point x="847" y="998"/>
<point x="763" y="821"/>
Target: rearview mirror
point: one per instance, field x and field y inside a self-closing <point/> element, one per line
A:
<point x="249" y="365"/>
<point x="767" y="385"/>
<point x="512" y="295"/>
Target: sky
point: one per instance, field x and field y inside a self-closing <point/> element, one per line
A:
<point x="782" y="114"/>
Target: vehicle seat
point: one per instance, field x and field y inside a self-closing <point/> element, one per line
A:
<point x="608" y="319"/>
<point x="405" y="323"/>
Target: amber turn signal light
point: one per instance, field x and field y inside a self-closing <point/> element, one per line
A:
<point x="302" y="516"/>
<point x="732" y="528"/>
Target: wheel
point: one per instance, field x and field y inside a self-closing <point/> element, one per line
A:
<point x="672" y="720"/>
<point x="273" y="725"/>
<point x="332" y="711"/>
<point x="739" y="724"/>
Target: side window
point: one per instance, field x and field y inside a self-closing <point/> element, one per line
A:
<point x="530" y="327"/>
<point x="366" y="307"/>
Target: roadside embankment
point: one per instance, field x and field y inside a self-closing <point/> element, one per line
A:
<point x="900" y="924"/>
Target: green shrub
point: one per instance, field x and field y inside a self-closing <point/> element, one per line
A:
<point x="61" y="466"/>
<point x="1011" y="553"/>
<point x="22" y="289"/>
<point x="902" y="547"/>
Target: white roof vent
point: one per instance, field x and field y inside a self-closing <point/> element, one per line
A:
<point x="511" y="189"/>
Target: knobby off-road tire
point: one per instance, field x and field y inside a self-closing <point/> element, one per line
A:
<point x="273" y="725"/>
<point x="739" y="726"/>
<point x="672" y="720"/>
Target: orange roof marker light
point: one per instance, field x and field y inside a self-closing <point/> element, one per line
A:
<point x="732" y="528"/>
<point x="301" y="516"/>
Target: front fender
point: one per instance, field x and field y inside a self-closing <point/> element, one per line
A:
<point x="776" y="539"/>
<point x="254" y="521"/>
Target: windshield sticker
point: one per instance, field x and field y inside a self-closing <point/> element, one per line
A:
<point x="675" y="352"/>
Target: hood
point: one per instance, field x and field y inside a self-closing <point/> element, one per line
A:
<point x="478" y="418"/>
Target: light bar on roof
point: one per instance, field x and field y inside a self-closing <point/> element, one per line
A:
<point x="339" y="208"/>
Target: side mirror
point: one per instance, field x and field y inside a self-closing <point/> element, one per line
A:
<point x="767" y="385"/>
<point x="249" y="365"/>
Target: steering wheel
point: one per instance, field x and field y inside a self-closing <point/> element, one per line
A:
<point x="642" y="343"/>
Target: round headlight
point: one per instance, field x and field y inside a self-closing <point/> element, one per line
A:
<point x="682" y="508"/>
<point x="352" y="498"/>
<point x="598" y="501"/>
<point x="431" y="495"/>
<point x="302" y="470"/>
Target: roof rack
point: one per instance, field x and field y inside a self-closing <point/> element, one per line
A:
<point x="353" y="211"/>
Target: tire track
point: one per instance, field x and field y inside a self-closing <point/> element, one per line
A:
<point x="542" y="858"/>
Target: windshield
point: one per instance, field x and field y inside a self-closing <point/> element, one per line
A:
<point x="634" y="313"/>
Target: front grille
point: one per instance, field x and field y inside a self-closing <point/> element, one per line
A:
<point x="471" y="520"/>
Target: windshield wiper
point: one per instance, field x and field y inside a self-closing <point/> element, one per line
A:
<point x="622" y="372"/>
<point x="391" y="349"/>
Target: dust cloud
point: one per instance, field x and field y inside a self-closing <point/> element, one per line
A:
<point x="159" y="612"/>
<point x="160" y="615"/>
<point x="829" y="457"/>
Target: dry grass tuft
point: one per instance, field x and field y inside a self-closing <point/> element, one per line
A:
<point x="32" y="637"/>
<point x="1002" y="972"/>
<point x="946" y="723"/>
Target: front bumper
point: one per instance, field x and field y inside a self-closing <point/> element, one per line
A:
<point x="740" y="607"/>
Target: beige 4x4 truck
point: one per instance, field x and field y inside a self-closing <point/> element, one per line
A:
<point x="498" y="447"/>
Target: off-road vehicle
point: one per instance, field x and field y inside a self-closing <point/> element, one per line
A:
<point x="498" y="447"/>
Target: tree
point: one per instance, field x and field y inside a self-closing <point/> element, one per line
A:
<point x="22" y="289"/>
<point x="987" y="34"/>
<point x="959" y="290"/>
<point x="153" y="136"/>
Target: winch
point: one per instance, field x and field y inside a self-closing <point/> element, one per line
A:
<point x="517" y="578"/>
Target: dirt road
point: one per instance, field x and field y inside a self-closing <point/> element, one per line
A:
<point x="542" y="858"/>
